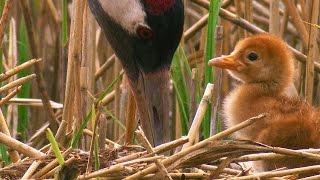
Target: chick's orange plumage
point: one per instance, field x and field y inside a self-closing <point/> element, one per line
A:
<point x="264" y="65"/>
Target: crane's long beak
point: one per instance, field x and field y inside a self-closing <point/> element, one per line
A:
<point x="151" y="93"/>
<point x="225" y="62"/>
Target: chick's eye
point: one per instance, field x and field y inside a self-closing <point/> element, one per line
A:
<point x="144" y="32"/>
<point x="252" y="56"/>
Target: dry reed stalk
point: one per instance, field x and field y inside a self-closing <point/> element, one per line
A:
<point x="284" y="23"/>
<point x="40" y="80"/>
<point x="74" y="59"/>
<point x="143" y="160"/>
<point x="225" y="170"/>
<point x="316" y="177"/>
<point x="10" y="96"/>
<point x="108" y="98"/>
<point x="14" y="156"/>
<point x="5" y="18"/>
<point x="101" y="172"/>
<point x="196" y="27"/>
<point x="313" y="53"/>
<point x="240" y="13"/>
<point x="7" y="74"/>
<point x="270" y="156"/>
<point x="33" y="102"/>
<point x="144" y="141"/>
<point x="33" y="167"/>
<point x="174" y="158"/>
<point x="280" y="173"/>
<point x="248" y="13"/>
<point x="194" y="129"/>
<point x="104" y="67"/>
<point x="130" y="118"/>
<point x="53" y="11"/>
<point x="117" y="97"/>
<point x="19" y="146"/>
<point x="54" y="170"/>
<point x="50" y="165"/>
<point x="274" y="20"/>
<point x="16" y="83"/>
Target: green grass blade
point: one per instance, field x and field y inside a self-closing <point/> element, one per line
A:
<point x="77" y="135"/>
<point x="4" y="155"/>
<point x="179" y="82"/>
<point x="24" y="54"/>
<point x="55" y="147"/>
<point x="209" y="54"/>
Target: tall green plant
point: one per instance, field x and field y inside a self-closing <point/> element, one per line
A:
<point x="209" y="54"/>
<point x="179" y="68"/>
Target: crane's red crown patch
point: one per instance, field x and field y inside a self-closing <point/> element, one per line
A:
<point x="157" y="7"/>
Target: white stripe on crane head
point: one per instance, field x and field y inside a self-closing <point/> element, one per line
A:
<point x="127" y="13"/>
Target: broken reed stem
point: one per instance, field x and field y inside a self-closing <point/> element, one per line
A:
<point x="90" y="133"/>
<point x="108" y="98"/>
<point x="104" y="67"/>
<point x="130" y="117"/>
<point x="52" y="171"/>
<point x="196" y="123"/>
<point x="53" y="11"/>
<point x="264" y="175"/>
<point x="19" y="146"/>
<point x="31" y="170"/>
<point x="11" y="72"/>
<point x="144" y="141"/>
<point x="5" y="18"/>
<point x="113" y="169"/>
<point x="14" y="156"/>
<point x="313" y="53"/>
<point x="10" y="95"/>
<point x="16" y="83"/>
<point x="174" y="158"/>
<point x="51" y="165"/>
<point x="270" y="156"/>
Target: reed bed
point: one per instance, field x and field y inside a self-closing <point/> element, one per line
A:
<point x="67" y="111"/>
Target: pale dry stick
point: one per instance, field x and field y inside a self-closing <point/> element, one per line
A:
<point x="5" y="18"/>
<point x="194" y="129"/>
<point x="113" y="169"/>
<point x="270" y="156"/>
<point x="313" y="53"/>
<point x="34" y="166"/>
<point x="53" y="11"/>
<point x="19" y="146"/>
<point x="41" y="85"/>
<point x="195" y="27"/>
<point x="10" y="95"/>
<point x="142" y="160"/>
<point x="225" y="170"/>
<point x="16" y="83"/>
<point x="108" y="141"/>
<point x="172" y="159"/>
<point x="108" y="98"/>
<point x="227" y="15"/>
<point x="248" y="13"/>
<point x="51" y="165"/>
<point x="17" y="69"/>
<point x="33" y="102"/>
<point x="52" y="171"/>
<point x="104" y="67"/>
<point x="158" y="150"/>
<point x="74" y="55"/>
<point x="274" y="20"/>
<point x="4" y="128"/>
<point x="143" y="139"/>
<point x="316" y="177"/>
<point x="296" y="19"/>
<point x="93" y="140"/>
<point x="284" y="23"/>
<point x="131" y="122"/>
<point x="264" y="175"/>
<point x="182" y="176"/>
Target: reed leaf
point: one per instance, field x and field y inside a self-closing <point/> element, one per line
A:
<point x="55" y="147"/>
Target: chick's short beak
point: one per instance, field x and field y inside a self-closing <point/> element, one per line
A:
<point x="225" y="62"/>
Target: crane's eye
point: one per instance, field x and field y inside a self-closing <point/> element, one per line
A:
<point x="144" y="32"/>
<point x="252" y="56"/>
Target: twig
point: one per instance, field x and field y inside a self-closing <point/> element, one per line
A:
<point x="143" y="139"/>
<point x="10" y="96"/>
<point x="16" y="83"/>
<point x="172" y="159"/>
<point x="5" y="18"/>
<point x="19" y="146"/>
<point x="101" y="172"/>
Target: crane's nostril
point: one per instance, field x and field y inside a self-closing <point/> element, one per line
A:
<point x="144" y="32"/>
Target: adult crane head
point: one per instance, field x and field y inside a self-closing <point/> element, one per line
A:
<point x="144" y="35"/>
